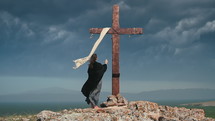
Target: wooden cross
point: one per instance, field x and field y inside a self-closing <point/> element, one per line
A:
<point x="116" y="31"/>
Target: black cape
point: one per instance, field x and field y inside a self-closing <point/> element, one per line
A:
<point x="95" y="75"/>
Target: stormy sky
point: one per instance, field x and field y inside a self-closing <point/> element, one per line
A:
<point x="39" y="39"/>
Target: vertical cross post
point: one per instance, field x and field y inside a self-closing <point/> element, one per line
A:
<point x="115" y="51"/>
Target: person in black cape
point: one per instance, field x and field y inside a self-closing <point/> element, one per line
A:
<point x="92" y="87"/>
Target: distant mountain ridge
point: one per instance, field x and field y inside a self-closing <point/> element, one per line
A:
<point x="210" y="103"/>
<point x="64" y="95"/>
<point x="179" y="94"/>
<point x="51" y="90"/>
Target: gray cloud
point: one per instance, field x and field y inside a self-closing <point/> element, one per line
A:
<point x="48" y="34"/>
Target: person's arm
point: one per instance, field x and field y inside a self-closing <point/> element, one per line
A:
<point x="106" y="61"/>
<point x="105" y="65"/>
<point x="101" y="68"/>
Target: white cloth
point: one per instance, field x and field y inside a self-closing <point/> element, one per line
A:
<point x="81" y="61"/>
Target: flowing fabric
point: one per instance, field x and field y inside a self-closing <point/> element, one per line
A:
<point x="92" y="87"/>
<point x="81" y="61"/>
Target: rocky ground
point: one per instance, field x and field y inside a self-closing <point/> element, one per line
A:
<point x="134" y="111"/>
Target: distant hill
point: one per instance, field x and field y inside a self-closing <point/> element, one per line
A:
<point x="64" y="95"/>
<point x="209" y="103"/>
<point x="53" y="94"/>
<point x="177" y="94"/>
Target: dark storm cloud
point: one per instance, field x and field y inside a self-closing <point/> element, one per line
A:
<point x="174" y="39"/>
<point x="47" y="9"/>
<point x="176" y="23"/>
<point x="47" y="34"/>
<point x="42" y="34"/>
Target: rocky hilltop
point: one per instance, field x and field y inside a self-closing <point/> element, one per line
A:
<point x="133" y="111"/>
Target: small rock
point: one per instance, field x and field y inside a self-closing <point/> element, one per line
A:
<point x="113" y="100"/>
<point x="46" y="114"/>
<point x="25" y="119"/>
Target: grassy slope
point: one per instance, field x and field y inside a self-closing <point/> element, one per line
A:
<point x="18" y="117"/>
<point x="209" y="110"/>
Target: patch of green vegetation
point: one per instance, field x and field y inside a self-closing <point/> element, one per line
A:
<point x="18" y="118"/>
<point x="209" y="110"/>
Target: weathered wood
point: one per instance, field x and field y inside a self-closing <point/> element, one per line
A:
<point x="116" y="31"/>
<point x="115" y="51"/>
<point x="115" y="64"/>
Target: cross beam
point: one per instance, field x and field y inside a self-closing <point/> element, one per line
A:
<point x="116" y="31"/>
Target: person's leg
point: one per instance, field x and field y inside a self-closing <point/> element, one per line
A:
<point x="94" y="96"/>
